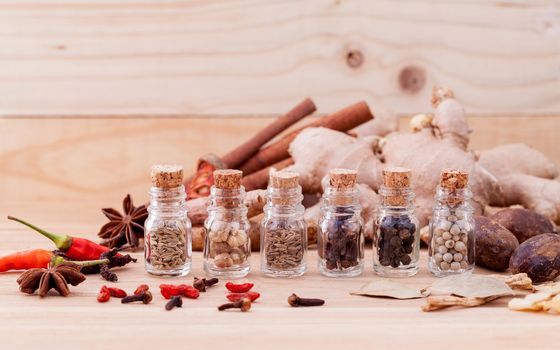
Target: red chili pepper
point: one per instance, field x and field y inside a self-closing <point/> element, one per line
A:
<point x="170" y="290"/>
<point x="104" y="295"/>
<point x="116" y="292"/>
<point x="239" y="288"/>
<point x="25" y="260"/>
<point x="141" y="288"/>
<point x="238" y="296"/>
<point x="75" y="248"/>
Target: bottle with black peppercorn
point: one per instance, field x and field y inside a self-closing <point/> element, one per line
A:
<point x="283" y="229"/>
<point x="396" y="243"/>
<point x="451" y="248"/>
<point x="340" y="241"/>
<point x="227" y="246"/>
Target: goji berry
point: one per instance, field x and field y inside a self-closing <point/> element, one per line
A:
<point x="170" y="290"/>
<point x="141" y="288"/>
<point x="239" y="288"/>
<point x="116" y="292"/>
<point x="238" y="296"/>
<point x="191" y="292"/>
<point x="104" y="295"/>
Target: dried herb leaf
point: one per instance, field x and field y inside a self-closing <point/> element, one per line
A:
<point x="546" y="299"/>
<point x="389" y="289"/>
<point x="469" y="286"/>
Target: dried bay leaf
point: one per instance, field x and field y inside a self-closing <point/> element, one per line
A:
<point x="388" y="289"/>
<point x="547" y="298"/>
<point x="469" y="286"/>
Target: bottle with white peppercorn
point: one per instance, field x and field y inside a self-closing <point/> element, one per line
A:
<point x="451" y="248"/>
<point x="340" y="240"/>
<point x="283" y="228"/>
<point x="396" y="244"/>
<point x="227" y="246"/>
<point x="167" y="239"/>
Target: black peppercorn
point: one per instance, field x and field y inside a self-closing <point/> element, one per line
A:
<point x="395" y="241"/>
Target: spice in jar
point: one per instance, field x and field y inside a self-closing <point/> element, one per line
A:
<point x="340" y="240"/>
<point x="168" y="246"/>
<point x="396" y="241"/>
<point x="451" y="248"/>
<point x="227" y="246"/>
<point x="283" y="229"/>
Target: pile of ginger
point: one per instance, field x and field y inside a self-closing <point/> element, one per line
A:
<point x="511" y="174"/>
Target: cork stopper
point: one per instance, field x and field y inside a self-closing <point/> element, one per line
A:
<point x="167" y="176"/>
<point x="284" y="179"/>
<point x="227" y="179"/>
<point x="396" y="177"/>
<point x="453" y="179"/>
<point x="342" y="178"/>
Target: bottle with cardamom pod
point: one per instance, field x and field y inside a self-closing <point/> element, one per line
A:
<point x="167" y="238"/>
<point x="228" y="247"/>
<point x="396" y="240"/>
<point x="452" y="246"/>
<point x="283" y="228"/>
<point x="340" y="240"/>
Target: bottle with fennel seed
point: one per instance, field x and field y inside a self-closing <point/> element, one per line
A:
<point x="168" y="240"/>
<point x="396" y="243"/>
<point x="340" y="241"/>
<point x="227" y="245"/>
<point x="283" y="228"/>
<point x="452" y="245"/>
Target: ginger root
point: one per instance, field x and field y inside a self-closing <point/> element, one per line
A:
<point x="505" y="175"/>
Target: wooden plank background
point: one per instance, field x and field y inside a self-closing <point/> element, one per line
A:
<point x="247" y="56"/>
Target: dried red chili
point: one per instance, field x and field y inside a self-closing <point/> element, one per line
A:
<point x="170" y="290"/>
<point x="141" y="288"/>
<point x="238" y="296"/>
<point x="116" y="292"/>
<point x="239" y="288"/>
<point x="29" y="259"/>
<point x="74" y="248"/>
<point x="104" y="295"/>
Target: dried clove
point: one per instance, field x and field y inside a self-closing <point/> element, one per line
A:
<point x="202" y="283"/>
<point x="243" y="304"/>
<point x="296" y="301"/>
<point x="144" y="297"/>
<point x="175" y="301"/>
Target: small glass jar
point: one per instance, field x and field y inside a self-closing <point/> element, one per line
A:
<point x="340" y="240"/>
<point x="167" y="238"/>
<point x="452" y="245"/>
<point x="283" y="228"/>
<point x="227" y="244"/>
<point x="396" y="240"/>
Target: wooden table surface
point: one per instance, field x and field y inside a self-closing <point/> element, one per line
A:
<point x="79" y="321"/>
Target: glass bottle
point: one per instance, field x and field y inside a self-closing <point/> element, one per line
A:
<point x="452" y="245"/>
<point x="396" y="241"/>
<point x="340" y="240"/>
<point x="227" y="247"/>
<point x="283" y="228"/>
<point x="167" y="238"/>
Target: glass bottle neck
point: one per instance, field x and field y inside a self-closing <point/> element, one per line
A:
<point x="231" y="201"/>
<point x="284" y="201"/>
<point x="397" y="199"/>
<point x="168" y="201"/>
<point x="459" y="198"/>
<point x="341" y="200"/>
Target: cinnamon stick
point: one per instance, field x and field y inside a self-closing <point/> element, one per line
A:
<point x="259" y="179"/>
<point x="343" y="120"/>
<point x="243" y="152"/>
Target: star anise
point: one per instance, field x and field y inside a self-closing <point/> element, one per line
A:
<point x="56" y="277"/>
<point x="124" y="229"/>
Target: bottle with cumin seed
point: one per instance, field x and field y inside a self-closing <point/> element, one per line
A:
<point x="168" y="240"/>
<point x="283" y="228"/>
<point x="227" y="247"/>
<point x="340" y="240"/>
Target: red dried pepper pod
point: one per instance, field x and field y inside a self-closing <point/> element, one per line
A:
<point x="28" y="259"/>
<point x="238" y="296"/>
<point x="239" y="288"/>
<point x="75" y="248"/>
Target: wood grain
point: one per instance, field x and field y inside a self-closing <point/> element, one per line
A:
<point x="243" y="56"/>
